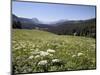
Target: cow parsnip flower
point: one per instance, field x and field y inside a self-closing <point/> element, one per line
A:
<point x="42" y="53"/>
<point x="73" y="55"/>
<point x="51" y="51"/>
<point x="31" y="57"/>
<point x="43" y="62"/>
<point x="55" y="60"/>
<point x="37" y="56"/>
<point x="51" y="55"/>
<point x="80" y="54"/>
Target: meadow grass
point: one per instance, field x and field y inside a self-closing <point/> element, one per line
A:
<point x="41" y="51"/>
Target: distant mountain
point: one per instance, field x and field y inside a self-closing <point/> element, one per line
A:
<point x="29" y="23"/>
<point x="36" y="21"/>
<point x="60" y="22"/>
<point x="81" y="27"/>
<point x="56" y="23"/>
<point x="61" y="27"/>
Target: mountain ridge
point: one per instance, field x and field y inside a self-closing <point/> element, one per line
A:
<point x="62" y="27"/>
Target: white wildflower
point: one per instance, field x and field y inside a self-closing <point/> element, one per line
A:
<point x="55" y="60"/>
<point x="51" y="51"/>
<point x="31" y="57"/>
<point x="51" y="55"/>
<point x="17" y="48"/>
<point x="80" y="54"/>
<point x="33" y="45"/>
<point x="22" y="45"/>
<point x="42" y="53"/>
<point x="73" y="55"/>
<point x="24" y="71"/>
<point x="37" y="50"/>
<point x="43" y="62"/>
<point x="37" y="56"/>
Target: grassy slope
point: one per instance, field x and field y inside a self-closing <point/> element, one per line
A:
<point x="67" y="49"/>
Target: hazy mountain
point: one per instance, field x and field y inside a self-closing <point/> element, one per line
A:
<point x="36" y="21"/>
<point x="82" y="28"/>
<point x="29" y="23"/>
<point x="61" y="27"/>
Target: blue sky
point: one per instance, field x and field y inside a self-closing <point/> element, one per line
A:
<point x="52" y="12"/>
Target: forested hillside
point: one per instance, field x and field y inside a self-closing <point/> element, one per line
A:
<point x="77" y="28"/>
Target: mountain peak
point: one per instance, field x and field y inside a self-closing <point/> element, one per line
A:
<point x="36" y="20"/>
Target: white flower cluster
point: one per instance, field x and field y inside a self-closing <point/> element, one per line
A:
<point x="79" y="54"/>
<point x="73" y="55"/>
<point x="55" y="60"/>
<point x="42" y="53"/>
<point x="31" y="57"/>
<point x="51" y="51"/>
<point x="37" y="56"/>
<point x="43" y="62"/>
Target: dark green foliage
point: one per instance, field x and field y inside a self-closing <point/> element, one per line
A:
<point x="15" y="22"/>
<point x="81" y="28"/>
<point x="17" y="25"/>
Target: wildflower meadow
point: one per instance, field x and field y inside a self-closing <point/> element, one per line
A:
<point x="40" y="51"/>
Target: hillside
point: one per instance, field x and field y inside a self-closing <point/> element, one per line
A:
<point x="81" y="28"/>
<point x="65" y="27"/>
<point x="58" y="52"/>
<point x="26" y="23"/>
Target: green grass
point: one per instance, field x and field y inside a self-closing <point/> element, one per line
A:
<point x="73" y="52"/>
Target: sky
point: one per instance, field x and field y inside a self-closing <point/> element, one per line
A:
<point x="52" y="12"/>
